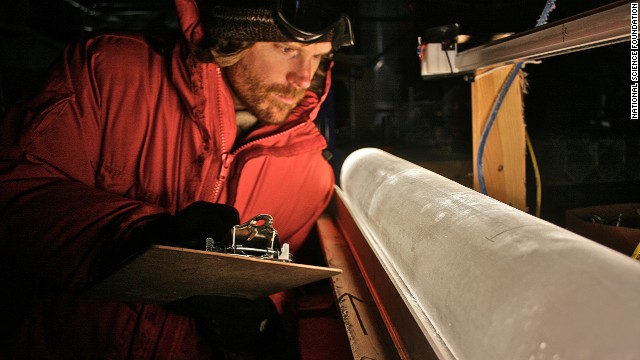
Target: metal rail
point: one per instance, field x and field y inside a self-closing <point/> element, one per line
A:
<point x="606" y="25"/>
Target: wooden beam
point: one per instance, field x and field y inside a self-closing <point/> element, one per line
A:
<point x="368" y="336"/>
<point x="504" y="165"/>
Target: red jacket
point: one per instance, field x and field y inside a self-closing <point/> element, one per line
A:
<point x="117" y="135"/>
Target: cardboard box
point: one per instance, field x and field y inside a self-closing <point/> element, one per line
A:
<point x="623" y="238"/>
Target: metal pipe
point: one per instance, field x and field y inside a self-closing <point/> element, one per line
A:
<point x="603" y="26"/>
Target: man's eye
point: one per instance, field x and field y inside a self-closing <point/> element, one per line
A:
<point x="287" y="50"/>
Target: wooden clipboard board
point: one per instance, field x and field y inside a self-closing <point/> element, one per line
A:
<point x="163" y="274"/>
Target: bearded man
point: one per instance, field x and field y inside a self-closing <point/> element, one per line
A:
<point x="130" y="142"/>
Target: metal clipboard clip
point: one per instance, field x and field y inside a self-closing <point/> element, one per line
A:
<point x="255" y="238"/>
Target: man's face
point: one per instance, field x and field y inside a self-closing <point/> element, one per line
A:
<point x="272" y="77"/>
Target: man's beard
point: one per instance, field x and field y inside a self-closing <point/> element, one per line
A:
<point x="260" y="98"/>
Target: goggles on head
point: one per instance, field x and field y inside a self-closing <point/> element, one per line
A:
<point x="308" y="21"/>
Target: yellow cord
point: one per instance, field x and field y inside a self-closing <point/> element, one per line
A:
<point x="636" y="254"/>
<point x="536" y="171"/>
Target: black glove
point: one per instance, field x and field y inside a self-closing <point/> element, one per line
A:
<point x="236" y="325"/>
<point x="191" y="226"/>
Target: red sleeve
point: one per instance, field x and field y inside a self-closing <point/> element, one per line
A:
<point x="54" y="223"/>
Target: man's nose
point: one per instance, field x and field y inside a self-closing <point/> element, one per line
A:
<point x="300" y="74"/>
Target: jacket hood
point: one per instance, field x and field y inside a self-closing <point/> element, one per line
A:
<point x="189" y="17"/>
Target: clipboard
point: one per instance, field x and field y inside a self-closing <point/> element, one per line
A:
<point x="163" y="274"/>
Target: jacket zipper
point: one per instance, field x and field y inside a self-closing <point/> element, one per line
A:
<point x="222" y="175"/>
<point x="227" y="158"/>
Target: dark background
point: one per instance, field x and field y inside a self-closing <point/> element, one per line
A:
<point x="576" y="106"/>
